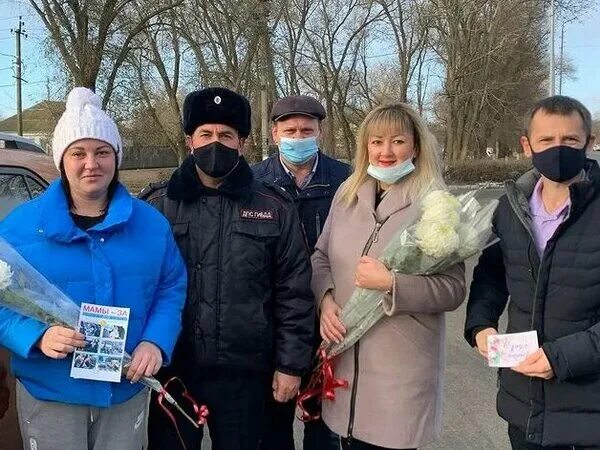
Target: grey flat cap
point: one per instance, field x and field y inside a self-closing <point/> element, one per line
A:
<point x="297" y="104"/>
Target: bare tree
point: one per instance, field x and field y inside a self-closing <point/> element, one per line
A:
<point x="223" y="39"/>
<point x="157" y="62"/>
<point x="289" y="44"/>
<point x="82" y="30"/>
<point x="409" y="23"/>
<point x="334" y="34"/>
<point x="478" y="45"/>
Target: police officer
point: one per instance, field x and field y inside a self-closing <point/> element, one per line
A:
<point x="248" y="322"/>
<point x="311" y="178"/>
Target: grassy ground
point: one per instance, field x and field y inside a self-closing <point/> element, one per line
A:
<point x="136" y="179"/>
<point x="465" y="172"/>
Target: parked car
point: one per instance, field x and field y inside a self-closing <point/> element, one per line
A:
<point x="23" y="175"/>
<point x="11" y="141"/>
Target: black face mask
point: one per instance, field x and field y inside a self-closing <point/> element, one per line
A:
<point x="560" y="163"/>
<point x="215" y="159"/>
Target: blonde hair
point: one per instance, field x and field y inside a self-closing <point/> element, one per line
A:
<point x="393" y="118"/>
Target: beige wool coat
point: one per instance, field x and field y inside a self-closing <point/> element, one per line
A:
<point x="399" y="382"/>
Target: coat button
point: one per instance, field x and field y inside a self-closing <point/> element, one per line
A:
<point x="530" y="436"/>
<point x="101" y="239"/>
<point x="204" y="200"/>
<point x="198" y="266"/>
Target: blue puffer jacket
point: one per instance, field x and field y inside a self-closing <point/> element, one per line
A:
<point x="130" y="259"/>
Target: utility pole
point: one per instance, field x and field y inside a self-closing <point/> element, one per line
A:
<point x="18" y="33"/>
<point x="264" y="121"/>
<point x="263" y="67"/>
<point x="551" y="74"/>
<point x="562" y="55"/>
<point x="562" y="52"/>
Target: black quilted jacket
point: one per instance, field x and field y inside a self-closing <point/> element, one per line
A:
<point x="556" y="294"/>
<point x="249" y="303"/>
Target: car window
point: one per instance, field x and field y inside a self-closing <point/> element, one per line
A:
<point x="35" y="188"/>
<point x="13" y="192"/>
<point x="27" y="146"/>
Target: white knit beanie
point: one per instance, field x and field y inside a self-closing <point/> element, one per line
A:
<point x="84" y="119"/>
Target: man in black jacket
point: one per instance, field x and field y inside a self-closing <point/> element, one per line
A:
<point x="248" y="322"/>
<point x="311" y="178"/>
<point x="547" y="261"/>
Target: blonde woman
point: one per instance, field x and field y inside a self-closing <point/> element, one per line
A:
<point x="395" y="372"/>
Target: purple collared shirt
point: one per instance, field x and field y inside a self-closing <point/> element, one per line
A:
<point x="545" y="223"/>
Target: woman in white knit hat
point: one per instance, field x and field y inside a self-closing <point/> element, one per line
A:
<point x="98" y="244"/>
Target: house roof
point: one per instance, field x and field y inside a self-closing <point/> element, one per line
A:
<point x="39" y="119"/>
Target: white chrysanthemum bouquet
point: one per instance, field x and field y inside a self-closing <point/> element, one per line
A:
<point x="446" y="231"/>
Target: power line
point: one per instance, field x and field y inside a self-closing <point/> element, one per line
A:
<point x="29" y="83"/>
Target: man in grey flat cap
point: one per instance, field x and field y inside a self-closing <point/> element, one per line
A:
<point x="311" y="178"/>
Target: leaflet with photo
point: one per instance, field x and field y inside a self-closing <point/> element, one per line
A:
<point x="105" y="330"/>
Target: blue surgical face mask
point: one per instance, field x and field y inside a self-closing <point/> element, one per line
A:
<point x="298" y="151"/>
<point x="391" y="175"/>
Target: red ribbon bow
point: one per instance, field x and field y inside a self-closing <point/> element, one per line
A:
<point x="200" y="412"/>
<point x="322" y="385"/>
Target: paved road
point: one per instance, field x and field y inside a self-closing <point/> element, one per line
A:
<point x="470" y="420"/>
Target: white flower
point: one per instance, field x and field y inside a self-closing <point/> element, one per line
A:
<point x="440" y="197"/>
<point x="436" y="239"/>
<point x="441" y="206"/>
<point x="469" y="240"/>
<point x="6" y="275"/>
<point x="441" y="213"/>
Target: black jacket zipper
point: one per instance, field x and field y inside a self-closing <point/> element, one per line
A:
<point x="218" y="290"/>
<point x="519" y="213"/>
<point x="372" y="239"/>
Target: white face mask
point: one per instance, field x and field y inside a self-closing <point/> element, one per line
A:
<point x="391" y="175"/>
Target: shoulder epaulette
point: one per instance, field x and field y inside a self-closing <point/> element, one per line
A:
<point x="146" y="193"/>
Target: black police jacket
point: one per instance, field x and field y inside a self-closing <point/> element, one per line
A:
<point x="249" y="303"/>
<point x="557" y="295"/>
<point x="313" y="202"/>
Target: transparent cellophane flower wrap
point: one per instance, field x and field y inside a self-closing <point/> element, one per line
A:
<point x="26" y="291"/>
<point x="448" y="230"/>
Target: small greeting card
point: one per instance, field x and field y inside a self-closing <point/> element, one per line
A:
<point x="105" y="330"/>
<point x="508" y="350"/>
